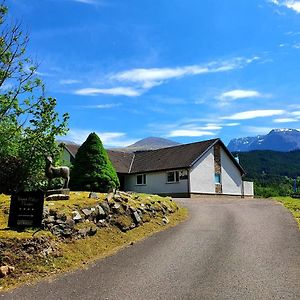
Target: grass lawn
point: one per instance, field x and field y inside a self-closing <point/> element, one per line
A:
<point x="292" y="204"/>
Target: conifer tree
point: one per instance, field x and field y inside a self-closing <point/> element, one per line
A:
<point x="92" y="169"/>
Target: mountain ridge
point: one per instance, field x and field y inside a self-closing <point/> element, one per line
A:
<point x="282" y="140"/>
<point x="149" y="143"/>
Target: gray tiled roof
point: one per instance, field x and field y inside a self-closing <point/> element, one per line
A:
<point x="120" y="160"/>
<point x="177" y="157"/>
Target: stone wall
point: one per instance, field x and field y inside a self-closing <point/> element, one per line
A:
<point x="218" y="167"/>
<point x="123" y="210"/>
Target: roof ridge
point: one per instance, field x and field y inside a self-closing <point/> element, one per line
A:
<point x="205" y="151"/>
<point x="176" y="146"/>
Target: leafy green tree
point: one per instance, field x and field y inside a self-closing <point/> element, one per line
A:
<point x="92" y="169"/>
<point x="28" y="120"/>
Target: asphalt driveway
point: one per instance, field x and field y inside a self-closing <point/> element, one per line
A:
<point x="228" y="249"/>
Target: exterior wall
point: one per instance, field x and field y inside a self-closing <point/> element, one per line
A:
<point x="66" y="157"/>
<point x="156" y="183"/>
<point x="248" y="189"/>
<point x="202" y="174"/>
<point x="231" y="176"/>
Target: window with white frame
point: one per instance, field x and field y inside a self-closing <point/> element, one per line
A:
<point x="141" y="179"/>
<point x="172" y="176"/>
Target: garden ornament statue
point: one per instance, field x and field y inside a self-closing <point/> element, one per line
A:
<point x="57" y="172"/>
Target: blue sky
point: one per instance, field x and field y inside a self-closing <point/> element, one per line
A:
<point x="186" y="70"/>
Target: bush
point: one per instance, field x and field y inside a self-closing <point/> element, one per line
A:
<point x="92" y="169"/>
<point x="11" y="173"/>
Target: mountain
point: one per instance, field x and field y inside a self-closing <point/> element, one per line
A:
<point x="150" y="143"/>
<point x="283" y="140"/>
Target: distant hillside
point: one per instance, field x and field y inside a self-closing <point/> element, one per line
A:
<point x="277" y="140"/>
<point x="150" y="143"/>
<point x="273" y="172"/>
<point x="259" y="164"/>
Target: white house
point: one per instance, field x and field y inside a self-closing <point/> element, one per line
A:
<point x="188" y="170"/>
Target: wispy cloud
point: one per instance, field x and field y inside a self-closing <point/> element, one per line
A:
<point x="116" y="91"/>
<point x="109" y="139"/>
<point x="296" y="113"/>
<point x="193" y="130"/>
<point x="291" y="4"/>
<point x="93" y="2"/>
<point x="151" y="77"/>
<point x="103" y="106"/>
<point x="252" y="114"/>
<point x="229" y="96"/>
<point x="189" y="133"/>
<point x="254" y="130"/>
<point x="231" y="124"/>
<point x="239" y="94"/>
<point x="69" y="81"/>
<point x="285" y="120"/>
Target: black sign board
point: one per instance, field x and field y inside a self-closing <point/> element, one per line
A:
<point x="26" y="209"/>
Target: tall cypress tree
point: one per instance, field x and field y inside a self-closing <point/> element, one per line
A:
<point x="92" y="170"/>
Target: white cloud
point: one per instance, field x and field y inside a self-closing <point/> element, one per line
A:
<point x="103" y="106"/>
<point x="148" y="78"/>
<point x="189" y="132"/>
<point x="94" y="2"/>
<point x="193" y="130"/>
<point x="254" y="130"/>
<point x="239" y="94"/>
<point x="231" y="124"/>
<point x="291" y="4"/>
<point x="252" y="114"/>
<point x="69" y="81"/>
<point x="109" y="139"/>
<point x="296" y="113"/>
<point x="116" y="91"/>
<point x="285" y="120"/>
<point x="229" y="96"/>
<point x="210" y="126"/>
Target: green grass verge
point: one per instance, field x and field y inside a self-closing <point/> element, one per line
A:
<point x="292" y="204"/>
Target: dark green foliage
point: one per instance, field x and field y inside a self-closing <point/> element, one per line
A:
<point x="10" y="174"/>
<point x="273" y="172"/>
<point x="29" y="123"/>
<point x="92" y="170"/>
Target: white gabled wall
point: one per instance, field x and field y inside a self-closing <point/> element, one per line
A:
<point x="66" y="157"/>
<point x="248" y="188"/>
<point x="156" y="183"/>
<point x="202" y="174"/>
<point x="231" y="176"/>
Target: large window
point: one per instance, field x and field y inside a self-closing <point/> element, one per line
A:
<point x="172" y="176"/>
<point x="141" y="179"/>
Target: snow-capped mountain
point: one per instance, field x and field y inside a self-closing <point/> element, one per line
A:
<point x="277" y="140"/>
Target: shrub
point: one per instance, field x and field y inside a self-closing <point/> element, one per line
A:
<point x="92" y="169"/>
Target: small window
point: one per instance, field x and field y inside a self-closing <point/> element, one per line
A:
<point x="141" y="179"/>
<point x="173" y="176"/>
<point x="217" y="178"/>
